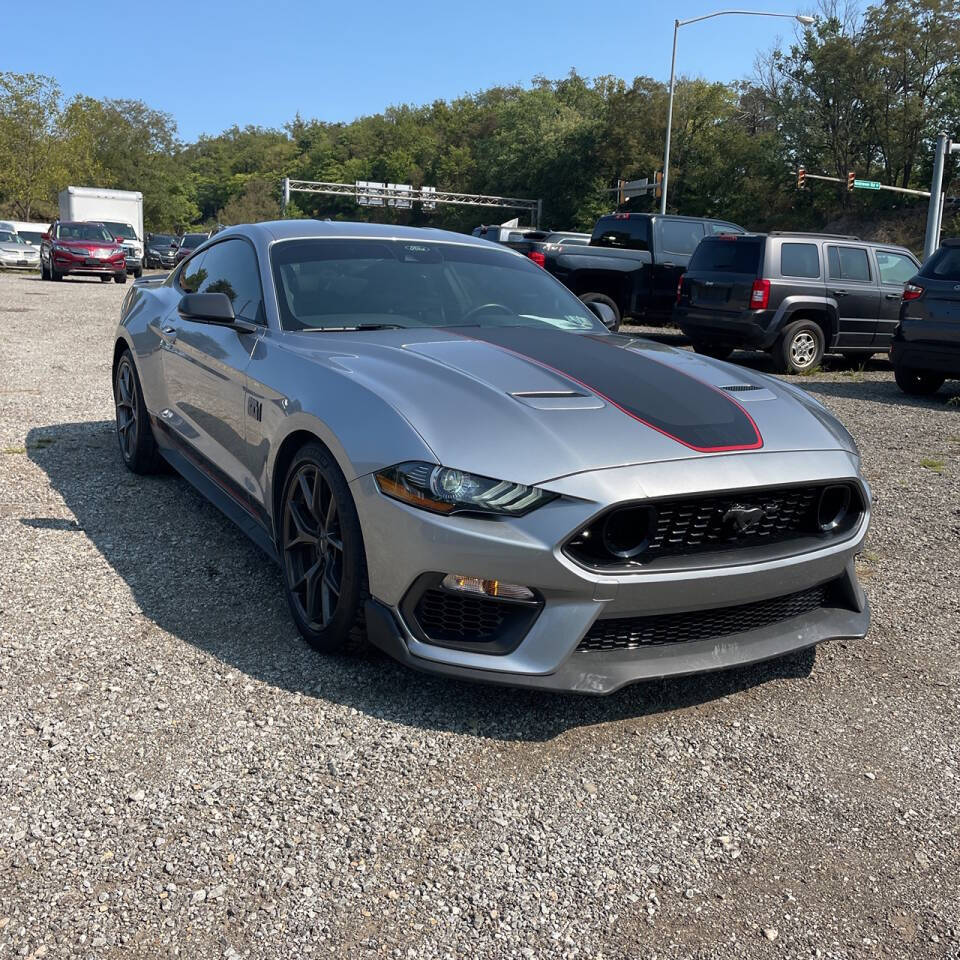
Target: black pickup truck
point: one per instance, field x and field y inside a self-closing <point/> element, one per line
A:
<point x="633" y="261"/>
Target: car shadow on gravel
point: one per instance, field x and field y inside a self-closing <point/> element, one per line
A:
<point x="883" y="391"/>
<point x="196" y="576"/>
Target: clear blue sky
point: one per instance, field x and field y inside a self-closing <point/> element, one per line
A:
<point x="214" y="64"/>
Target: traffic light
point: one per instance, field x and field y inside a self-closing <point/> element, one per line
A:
<point x="658" y="180"/>
<point x="801" y="177"/>
<point x="851" y="176"/>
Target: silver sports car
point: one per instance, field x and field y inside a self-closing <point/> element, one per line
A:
<point x="452" y="458"/>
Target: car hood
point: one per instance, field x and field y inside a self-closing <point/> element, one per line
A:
<point x="531" y="405"/>
<point x="89" y="245"/>
<point x="18" y="248"/>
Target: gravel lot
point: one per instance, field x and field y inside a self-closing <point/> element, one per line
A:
<point x="182" y="777"/>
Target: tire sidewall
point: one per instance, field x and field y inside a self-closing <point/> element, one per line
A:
<point x="337" y="636"/>
<point x="609" y="301"/>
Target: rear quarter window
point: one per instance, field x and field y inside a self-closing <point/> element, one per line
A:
<point x="800" y="260"/>
<point x="680" y="236"/>
<point x="726" y="256"/>
<point x="943" y="265"/>
<point x="626" y="232"/>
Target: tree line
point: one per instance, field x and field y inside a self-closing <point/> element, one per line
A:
<point x="865" y="90"/>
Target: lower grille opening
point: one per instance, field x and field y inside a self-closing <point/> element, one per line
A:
<point x="464" y="621"/>
<point x="630" y="633"/>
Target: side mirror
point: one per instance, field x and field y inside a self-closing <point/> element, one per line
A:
<point x="212" y="308"/>
<point x="45" y="236"/>
<point x="604" y="313"/>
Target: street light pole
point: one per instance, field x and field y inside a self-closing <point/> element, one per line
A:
<point x="677" y="24"/>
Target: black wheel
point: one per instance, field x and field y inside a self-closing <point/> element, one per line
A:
<point x="120" y="277"/>
<point x="138" y="273"/>
<point x="104" y="278"/>
<point x="134" y="433"/>
<point x="800" y="347"/>
<point x="322" y="554"/>
<point x="55" y="274"/>
<point x="918" y="383"/>
<point x="44" y="272"/>
<point x="609" y="301"/>
<point x="716" y="350"/>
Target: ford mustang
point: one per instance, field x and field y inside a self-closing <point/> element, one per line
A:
<point x="453" y="458"/>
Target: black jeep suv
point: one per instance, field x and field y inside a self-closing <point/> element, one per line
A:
<point x="794" y="295"/>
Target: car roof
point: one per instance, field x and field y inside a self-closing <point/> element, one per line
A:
<point x="799" y="235"/>
<point x="333" y="229"/>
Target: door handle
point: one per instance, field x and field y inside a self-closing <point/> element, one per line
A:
<point x="892" y="296"/>
<point x="839" y="293"/>
<point x="169" y="330"/>
<point x="668" y="263"/>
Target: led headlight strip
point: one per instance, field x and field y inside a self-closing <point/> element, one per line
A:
<point x="444" y="490"/>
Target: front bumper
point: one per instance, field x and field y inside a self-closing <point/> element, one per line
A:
<point x="527" y="551"/>
<point x="27" y="264"/>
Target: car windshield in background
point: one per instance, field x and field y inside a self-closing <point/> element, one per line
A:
<point x="161" y="240"/>
<point x="337" y="284"/>
<point x="7" y="237"/>
<point x="192" y="240"/>
<point x="943" y="265"/>
<point x="723" y="255"/>
<point x="120" y="229"/>
<point x="84" y="231"/>
<point x="31" y="236"/>
<point x="622" y="230"/>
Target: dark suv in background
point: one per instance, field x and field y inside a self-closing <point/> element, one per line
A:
<point x="794" y="295"/>
<point x="926" y="344"/>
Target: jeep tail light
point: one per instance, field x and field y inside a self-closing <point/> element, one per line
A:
<point x="679" y="287"/>
<point x="538" y="258"/>
<point x="759" y="294"/>
<point x="912" y="292"/>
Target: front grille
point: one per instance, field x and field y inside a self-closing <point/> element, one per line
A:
<point x="629" y="633"/>
<point x="460" y="618"/>
<point x="639" y="533"/>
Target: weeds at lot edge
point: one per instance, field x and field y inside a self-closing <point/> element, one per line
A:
<point x="41" y="443"/>
<point x="867" y="564"/>
<point x="810" y="372"/>
<point x="930" y="464"/>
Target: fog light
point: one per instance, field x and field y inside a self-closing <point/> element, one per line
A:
<point x="486" y="588"/>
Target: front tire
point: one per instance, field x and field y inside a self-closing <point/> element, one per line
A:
<point x="120" y="277"/>
<point x="104" y="278"/>
<point x="44" y="271"/>
<point x="322" y="553"/>
<point x="917" y="383"/>
<point x="134" y="433"/>
<point x="800" y="347"/>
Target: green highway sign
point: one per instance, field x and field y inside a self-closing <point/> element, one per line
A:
<point x="867" y="184"/>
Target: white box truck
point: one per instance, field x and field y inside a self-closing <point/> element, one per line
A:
<point x="121" y="211"/>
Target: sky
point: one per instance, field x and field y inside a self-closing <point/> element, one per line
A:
<point x="215" y="64"/>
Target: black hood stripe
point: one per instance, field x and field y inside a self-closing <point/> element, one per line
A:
<point x="690" y="411"/>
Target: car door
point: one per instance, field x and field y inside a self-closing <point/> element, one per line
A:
<point x="675" y="242"/>
<point x="204" y="363"/>
<point x="894" y="268"/>
<point x="853" y="284"/>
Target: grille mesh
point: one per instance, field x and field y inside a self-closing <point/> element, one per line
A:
<point x="701" y="524"/>
<point x="452" y="617"/>
<point x="629" y="633"/>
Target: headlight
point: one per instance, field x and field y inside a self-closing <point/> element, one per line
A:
<point x="443" y="490"/>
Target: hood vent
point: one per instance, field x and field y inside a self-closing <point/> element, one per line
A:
<point x="740" y="387"/>
<point x="545" y="394"/>
<point x="749" y="391"/>
<point x="557" y="399"/>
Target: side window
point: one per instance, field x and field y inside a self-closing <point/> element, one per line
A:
<point x="800" y="260"/>
<point x="192" y="274"/>
<point x="230" y="267"/>
<point x="848" y="263"/>
<point x="680" y="236"/>
<point x="895" y="268"/>
<point x="715" y="228"/>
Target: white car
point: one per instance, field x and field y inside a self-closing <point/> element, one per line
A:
<point x="16" y="253"/>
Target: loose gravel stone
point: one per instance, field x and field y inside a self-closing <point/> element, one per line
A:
<point x="167" y="741"/>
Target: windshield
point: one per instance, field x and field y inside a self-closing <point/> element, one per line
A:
<point x="31" y="236"/>
<point x="323" y="284"/>
<point x="84" y="231"/>
<point x="192" y="240"/>
<point x="120" y="229"/>
<point x="161" y="240"/>
<point x="7" y="237"/>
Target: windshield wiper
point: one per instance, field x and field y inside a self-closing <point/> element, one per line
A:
<point x="359" y="326"/>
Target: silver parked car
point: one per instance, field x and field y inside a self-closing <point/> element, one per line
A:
<point x="451" y="457"/>
<point x="16" y="253"/>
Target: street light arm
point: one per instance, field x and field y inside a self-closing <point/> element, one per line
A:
<point x="743" y="13"/>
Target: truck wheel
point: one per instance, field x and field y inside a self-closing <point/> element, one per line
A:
<point x="716" y="350"/>
<point x="603" y="298"/>
<point x="917" y="383"/>
<point x="120" y="277"/>
<point x="138" y="273"/>
<point x="104" y="278"/>
<point x="800" y="347"/>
